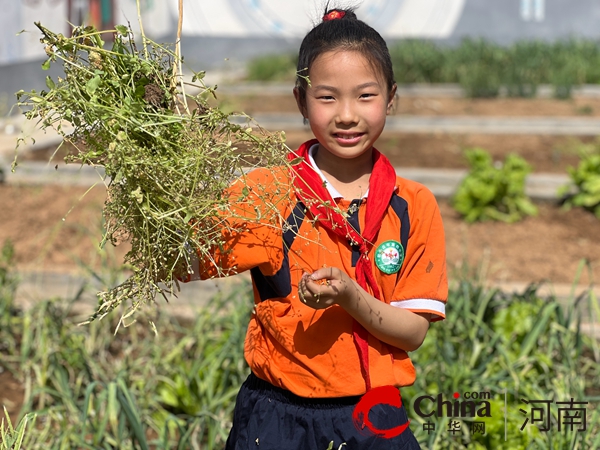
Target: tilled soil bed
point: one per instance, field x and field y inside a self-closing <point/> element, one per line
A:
<point x="550" y="154"/>
<point x="548" y="247"/>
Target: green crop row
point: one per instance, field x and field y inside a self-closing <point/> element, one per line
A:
<point x="518" y="348"/>
<point x="481" y="67"/>
<point x="495" y="190"/>
<point x="87" y="388"/>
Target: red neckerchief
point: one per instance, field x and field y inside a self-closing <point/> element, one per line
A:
<point x="314" y="195"/>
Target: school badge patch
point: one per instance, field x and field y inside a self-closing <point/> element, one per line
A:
<point x="389" y="257"/>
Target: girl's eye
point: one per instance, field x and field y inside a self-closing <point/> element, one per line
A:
<point x="326" y="97"/>
<point x="367" y="95"/>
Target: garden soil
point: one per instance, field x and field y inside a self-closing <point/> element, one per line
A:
<point x="547" y="247"/>
<point x="58" y="228"/>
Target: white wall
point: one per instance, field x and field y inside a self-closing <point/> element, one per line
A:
<point x="224" y="18"/>
<point x="17" y="15"/>
<point x="285" y="18"/>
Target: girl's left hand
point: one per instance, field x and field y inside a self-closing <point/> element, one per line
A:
<point x="326" y="287"/>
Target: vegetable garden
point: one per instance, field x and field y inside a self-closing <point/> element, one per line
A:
<point x="482" y="68"/>
<point x="85" y="388"/>
<point x="173" y="385"/>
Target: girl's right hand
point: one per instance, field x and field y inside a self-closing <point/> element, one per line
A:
<point x="326" y="287"/>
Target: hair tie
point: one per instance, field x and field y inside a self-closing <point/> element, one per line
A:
<point x="335" y="14"/>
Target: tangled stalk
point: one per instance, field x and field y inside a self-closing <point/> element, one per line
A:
<point x="167" y="168"/>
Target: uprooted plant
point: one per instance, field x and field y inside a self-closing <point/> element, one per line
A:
<point x="167" y="155"/>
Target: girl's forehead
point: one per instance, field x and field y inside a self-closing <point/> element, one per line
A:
<point x="344" y="62"/>
<point x="333" y="58"/>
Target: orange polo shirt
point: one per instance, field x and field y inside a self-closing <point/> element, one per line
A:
<point x="311" y="352"/>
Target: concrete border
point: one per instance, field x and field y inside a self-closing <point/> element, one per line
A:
<point x="37" y="286"/>
<point x="442" y="182"/>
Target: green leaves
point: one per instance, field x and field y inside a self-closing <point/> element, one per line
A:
<point x="92" y="85"/>
<point x="493" y="191"/>
<point x="584" y="189"/>
<point x="50" y="83"/>
<point x="523" y="344"/>
<point x="273" y="67"/>
<point x="198" y="76"/>
<point x="11" y="437"/>
<point x="90" y="390"/>
<point x="169" y="167"/>
<point x="485" y="69"/>
<point x="122" y="29"/>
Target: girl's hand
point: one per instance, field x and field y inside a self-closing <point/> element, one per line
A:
<point x="399" y="327"/>
<point x="326" y="287"/>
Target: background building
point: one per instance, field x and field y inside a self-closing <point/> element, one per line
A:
<point x="226" y="33"/>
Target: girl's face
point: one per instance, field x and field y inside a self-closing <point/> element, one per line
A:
<point x="346" y="103"/>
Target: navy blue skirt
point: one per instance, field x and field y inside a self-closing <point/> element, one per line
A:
<point x="270" y="418"/>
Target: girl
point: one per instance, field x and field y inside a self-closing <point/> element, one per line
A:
<point x="350" y="282"/>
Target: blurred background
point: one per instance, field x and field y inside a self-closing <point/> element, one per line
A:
<point x="513" y="77"/>
<point x="498" y="113"/>
<point x="226" y="34"/>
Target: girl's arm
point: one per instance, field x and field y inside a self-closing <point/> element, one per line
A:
<point x="395" y="326"/>
<point x="248" y="232"/>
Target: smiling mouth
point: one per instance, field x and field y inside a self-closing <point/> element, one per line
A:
<point x="348" y="136"/>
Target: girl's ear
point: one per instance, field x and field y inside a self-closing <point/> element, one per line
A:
<point x="301" y="103"/>
<point x="391" y="98"/>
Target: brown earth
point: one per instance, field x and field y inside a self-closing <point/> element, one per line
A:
<point x="12" y="393"/>
<point x="59" y="228"/>
<point x="547" y="247"/>
<point x="544" y="247"/>
<point x="550" y="154"/>
<point x="436" y="106"/>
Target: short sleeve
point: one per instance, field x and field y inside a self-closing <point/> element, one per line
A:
<point x="423" y="284"/>
<point x="251" y="234"/>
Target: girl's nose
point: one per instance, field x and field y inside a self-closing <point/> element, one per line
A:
<point x="346" y="113"/>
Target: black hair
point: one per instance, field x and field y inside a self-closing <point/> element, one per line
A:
<point x="340" y="29"/>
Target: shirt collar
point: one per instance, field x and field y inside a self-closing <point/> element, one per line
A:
<point x="335" y="194"/>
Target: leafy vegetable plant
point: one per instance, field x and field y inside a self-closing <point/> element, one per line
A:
<point x="493" y="191"/>
<point x="584" y="189"/>
<point x="167" y="155"/>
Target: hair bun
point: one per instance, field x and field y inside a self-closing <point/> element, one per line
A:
<point x="334" y="14"/>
